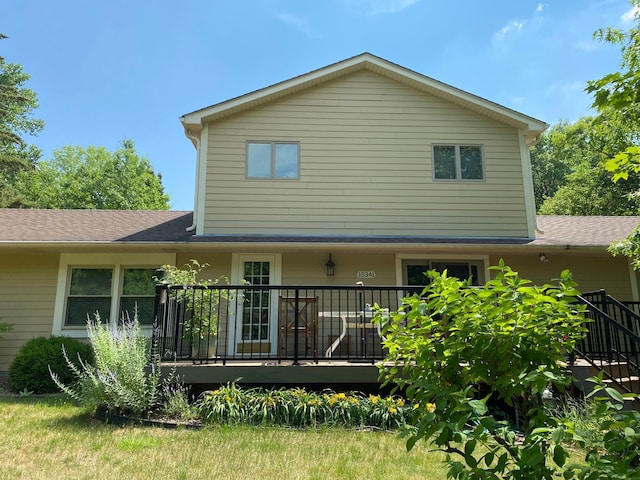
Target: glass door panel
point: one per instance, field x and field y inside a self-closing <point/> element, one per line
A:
<point x="255" y="314"/>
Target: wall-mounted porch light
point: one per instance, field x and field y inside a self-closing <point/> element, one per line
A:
<point x="331" y="267"/>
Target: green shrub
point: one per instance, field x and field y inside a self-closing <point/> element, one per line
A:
<point x="29" y="370"/>
<point x="508" y="335"/>
<point x="126" y="375"/>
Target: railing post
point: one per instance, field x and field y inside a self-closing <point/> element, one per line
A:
<point x="296" y="324"/>
<point x="159" y="326"/>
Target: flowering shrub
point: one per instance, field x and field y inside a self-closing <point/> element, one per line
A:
<point x="300" y="409"/>
<point x="119" y="381"/>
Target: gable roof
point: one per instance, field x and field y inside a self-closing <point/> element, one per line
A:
<point x="86" y="227"/>
<point x="532" y="127"/>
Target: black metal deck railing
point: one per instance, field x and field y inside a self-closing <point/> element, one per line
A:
<point x="612" y="343"/>
<point x="269" y="322"/>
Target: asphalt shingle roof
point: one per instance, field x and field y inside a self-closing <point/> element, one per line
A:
<point x="562" y="230"/>
<point x="19" y="226"/>
<point x="79" y="226"/>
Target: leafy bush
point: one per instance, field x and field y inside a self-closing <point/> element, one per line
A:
<point x="29" y="370"/>
<point x="507" y="335"/>
<point x="126" y="375"/>
<point x="607" y="434"/>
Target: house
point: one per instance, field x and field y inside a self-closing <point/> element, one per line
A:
<point x="361" y="171"/>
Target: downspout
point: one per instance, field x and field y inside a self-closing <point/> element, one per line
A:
<point x="531" y="144"/>
<point x="196" y="143"/>
<point x="527" y="178"/>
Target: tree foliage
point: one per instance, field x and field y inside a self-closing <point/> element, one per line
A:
<point x="621" y="90"/>
<point x="94" y="178"/>
<point x="507" y="335"/>
<point x="17" y="103"/>
<point x="568" y="164"/>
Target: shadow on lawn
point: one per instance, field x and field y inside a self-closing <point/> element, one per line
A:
<point x="68" y="415"/>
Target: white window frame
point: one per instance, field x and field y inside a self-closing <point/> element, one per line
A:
<point x="117" y="262"/>
<point x="272" y="169"/>
<point x="458" y="162"/>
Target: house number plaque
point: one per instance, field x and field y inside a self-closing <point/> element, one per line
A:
<point x="366" y="274"/>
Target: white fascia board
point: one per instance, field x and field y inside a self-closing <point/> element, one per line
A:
<point x="532" y="127"/>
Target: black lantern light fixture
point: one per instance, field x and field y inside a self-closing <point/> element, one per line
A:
<point x="331" y="267"/>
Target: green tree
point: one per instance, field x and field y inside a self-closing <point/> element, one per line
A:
<point x="94" y="178"/>
<point x="621" y="91"/>
<point x="548" y="167"/>
<point x="17" y="103"/>
<point x="570" y="177"/>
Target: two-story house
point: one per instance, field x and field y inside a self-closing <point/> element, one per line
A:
<point x="361" y="171"/>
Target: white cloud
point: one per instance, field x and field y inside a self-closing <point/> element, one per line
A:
<point x="298" y="23"/>
<point x="512" y="26"/>
<point x="629" y="16"/>
<point x="516" y="26"/>
<point x="378" y="7"/>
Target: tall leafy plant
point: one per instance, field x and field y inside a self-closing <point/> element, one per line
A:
<point x="507" y="335"/>
<point x="200" y="301"/>
<point x="125" y="377"/>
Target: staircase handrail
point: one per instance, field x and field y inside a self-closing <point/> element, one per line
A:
<point x="618" y="329"/>
<point x="608" y="319"/>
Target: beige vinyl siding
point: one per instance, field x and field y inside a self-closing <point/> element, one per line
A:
<point x="27" y="298"/>
<point x="365" y="166"/>
<point x="309" y="269"/>
<point x="591" y="272"/>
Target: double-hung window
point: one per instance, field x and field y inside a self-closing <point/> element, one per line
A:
<point x="273" y="160"/>
<point x="112" y="285"/>
<point x="93" y="290"/>
<point x="458" y="162"/>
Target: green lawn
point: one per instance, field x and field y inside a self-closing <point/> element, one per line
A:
<point x="51" y="438"/>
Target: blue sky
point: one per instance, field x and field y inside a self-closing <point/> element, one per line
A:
<point x="106" y="71"/>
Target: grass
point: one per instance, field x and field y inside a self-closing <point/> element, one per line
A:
<point x="50" y="437"/>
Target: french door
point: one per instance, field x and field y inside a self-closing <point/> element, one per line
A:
<point x="255" y="323"/>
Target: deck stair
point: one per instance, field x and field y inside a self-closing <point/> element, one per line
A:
<point x="612" y="344"/>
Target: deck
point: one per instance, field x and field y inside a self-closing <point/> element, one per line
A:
<point x="332" y="374"/>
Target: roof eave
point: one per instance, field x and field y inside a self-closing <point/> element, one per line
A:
<point x="531" y="126"/>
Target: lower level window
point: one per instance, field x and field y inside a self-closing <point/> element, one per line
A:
<point x="93" y="290"/>
<point x="89" y="292"/>
<point x="414" y="271"/>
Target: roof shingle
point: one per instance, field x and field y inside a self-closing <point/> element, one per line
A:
<point x="157" y="226"/>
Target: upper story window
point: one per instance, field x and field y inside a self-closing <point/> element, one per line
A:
<point x="458" y="162"/>
<point x="273" y="160"/>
